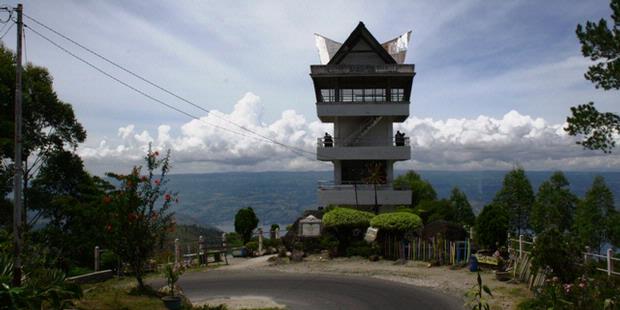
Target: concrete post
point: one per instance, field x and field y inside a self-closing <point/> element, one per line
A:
<point x="609" y="262"/>
<point x="201" y="251"/>
<point x="260" y="241"/>
<point x="277" y="233"/>
<point x="97" y="258"/>
<point x="177" y="252"/>
<point x="520" y="245"/>
<point x="585" y="255"/>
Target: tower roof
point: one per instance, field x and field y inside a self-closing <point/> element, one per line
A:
<point x="361" y="41"/>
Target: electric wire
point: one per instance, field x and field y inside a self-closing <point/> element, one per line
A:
<point x="244" y="128"/>
<point x="161" y="102"/>
<point x="7" y="31"/>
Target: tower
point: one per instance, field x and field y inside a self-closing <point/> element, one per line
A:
<point x="362" y="87"/>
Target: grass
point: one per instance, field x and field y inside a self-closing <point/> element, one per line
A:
<point x="118" y="294"/>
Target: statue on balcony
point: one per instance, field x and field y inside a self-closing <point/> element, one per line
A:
<point x="399" y="138"/>
<point x="327" y="140"/>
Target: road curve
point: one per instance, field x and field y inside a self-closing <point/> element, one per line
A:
<point x="314" y="291"/>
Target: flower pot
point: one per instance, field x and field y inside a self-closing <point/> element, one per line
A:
<point x="172" y="302"/>
<point x="503" y="275"/>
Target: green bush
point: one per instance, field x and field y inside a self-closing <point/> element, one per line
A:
<point x="233" y="239"/>
<point x="347" y="218"/>
<point x="109" y="260"/>
<point x="554" y="249"/>
<point x="252" y="246"/>
<point x="359" y="248"/>
<point x="397" y="221"/>
<point x="492" y="226"/>
<point x="76" y="271"/>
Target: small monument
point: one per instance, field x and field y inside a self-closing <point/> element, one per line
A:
<point x="310" y="226"/>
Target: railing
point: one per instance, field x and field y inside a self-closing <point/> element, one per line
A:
<point x="609" y="260"/>
<point x="363" y="102"/>
<point x="406" y="69"/>
<point x="349" y="185"/>
<point x="342" y="142"/>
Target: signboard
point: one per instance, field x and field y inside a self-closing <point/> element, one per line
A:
<point x="371" y="234"/>
<point x="310" y="227"/>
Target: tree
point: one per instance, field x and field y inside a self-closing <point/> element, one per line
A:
<point x="554" y="249"/>
<point x="613" y="229"/>
<point x="554" y="205"/>
<point x="71" y="201"/>
<point x="435" y="210"/>
<point x="139" y="217"/>
<point x="245" y="223"/>
<point x="420" y="189"/>
<point x="592" y="213"/>
<point x="49" y="124"/>
<point x="517" y="196"/>
<point x="492" y="226"/>
<point x="463" y="213"/>
<point x="601" y="44"/>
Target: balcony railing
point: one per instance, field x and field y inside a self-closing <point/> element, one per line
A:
<point x="349" y="185"/>
<point x="342" y="142"/>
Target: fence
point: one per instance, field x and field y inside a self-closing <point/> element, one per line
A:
<point x="439" y="250"/>
<point x="602" y="260"/>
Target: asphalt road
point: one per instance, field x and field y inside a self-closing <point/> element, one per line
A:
<point x="313" y="291"/>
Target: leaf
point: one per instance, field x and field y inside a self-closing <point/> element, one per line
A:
<point x="487" y="290"/>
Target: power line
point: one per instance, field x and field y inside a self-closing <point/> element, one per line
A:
<point x="161" y="102"/>
<point x="163" y="88"/>
<point x="7" y="31"/>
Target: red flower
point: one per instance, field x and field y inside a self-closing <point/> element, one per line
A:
<point x="156" y="153"/>
<point x="167" y="197"/>
<point x="108" y="227"/>
<point x="157" y="182"/>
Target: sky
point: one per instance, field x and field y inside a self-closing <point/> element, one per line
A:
<point x="495" y="79"/>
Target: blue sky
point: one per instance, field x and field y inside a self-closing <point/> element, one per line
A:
<point x="515" y="64"/>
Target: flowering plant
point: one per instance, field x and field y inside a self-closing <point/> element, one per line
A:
<point x="139" y="212"/>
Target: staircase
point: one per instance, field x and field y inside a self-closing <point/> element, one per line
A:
<point x="358" y="134"/>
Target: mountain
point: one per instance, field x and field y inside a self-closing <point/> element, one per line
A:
<point x="280" y="197"/>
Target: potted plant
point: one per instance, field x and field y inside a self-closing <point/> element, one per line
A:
<point x="172" y="301"/>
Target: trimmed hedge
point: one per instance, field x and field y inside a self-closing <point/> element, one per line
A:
<point x="397" y="221"/>
<point x="345" y="217"/>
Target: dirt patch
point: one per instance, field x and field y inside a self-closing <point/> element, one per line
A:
<point x="242" y="302"/>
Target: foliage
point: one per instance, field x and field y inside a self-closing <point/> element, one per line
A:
<point x="359" y="248"/>
<point x="172" y="274"/>
<point x="233" y="239"/>
<point x="43" y="288"/>
<point x="554" y="205"/>
<point x="586" y="292"/>
<point x="274" y="227"/>
<point x="613" y="228"/>
<point x="396" y="222"/>
<point x="435" y="210"/>
<point x="492" y="226"/>
<point x="252" y="246"/>
<point x="420" y="189"/>
<point x="138" y="216"/>
<point x="554" y="251"/>
<point x="517" y="196"/>
<point x="347" y="218"/>
<point x="591" y="214"/>
<point x="480" y="302"/>
<point x="245" y="223"/>
<point x="463" y="213"/>
<point x="601" y="44"/>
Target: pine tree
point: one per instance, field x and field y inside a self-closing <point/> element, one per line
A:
<point x="554" y="205"/>
<point x="517" y="197"/>
<point x="462" y="209"/>
<point x="591" y="214"/>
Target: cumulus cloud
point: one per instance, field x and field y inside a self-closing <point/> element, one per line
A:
<point x="481" y="143"/>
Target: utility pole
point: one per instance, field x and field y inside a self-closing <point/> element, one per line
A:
<point x="17" y="179"/>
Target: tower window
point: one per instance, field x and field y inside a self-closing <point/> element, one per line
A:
<point x="328" y="95"/>
<point x="397" y="94"/>
<point x="362" y="95"/>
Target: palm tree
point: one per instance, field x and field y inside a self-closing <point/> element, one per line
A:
<point x="376" y="175"/>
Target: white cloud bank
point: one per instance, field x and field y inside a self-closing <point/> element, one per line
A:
<point x="483" y="143"/>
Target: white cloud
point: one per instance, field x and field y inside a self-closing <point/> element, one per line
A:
<point x="466" y="144"/>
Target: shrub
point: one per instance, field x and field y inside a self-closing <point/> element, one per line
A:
<point x="347" y="218"/>
<point x="245" y="223"/>
<point x="397" y="221"/>
<point x="492" y="226"/>
<point x="359" y="248"/>
<point x="233" y="239"/>
<point x="554" y="250"/>
<point x="252" y="246"/>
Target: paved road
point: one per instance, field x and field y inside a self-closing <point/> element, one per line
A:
<point x="312" y="291"/>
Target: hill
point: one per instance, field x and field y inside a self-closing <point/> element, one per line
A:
<point x="280" y="197"/>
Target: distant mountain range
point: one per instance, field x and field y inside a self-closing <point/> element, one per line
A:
<point x="280" y="197"/>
